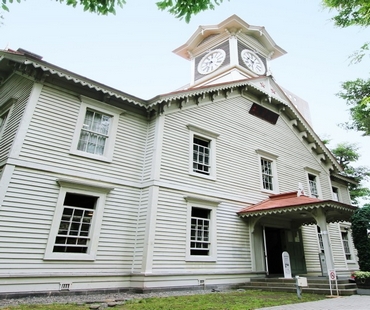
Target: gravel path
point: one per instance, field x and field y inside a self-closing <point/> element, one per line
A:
<point x="95" y="298"/>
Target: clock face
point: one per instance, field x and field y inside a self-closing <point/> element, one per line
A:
<point x="253" y="62"/>
<point x="212" y="61"/>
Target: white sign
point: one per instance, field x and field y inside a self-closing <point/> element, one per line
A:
<point x="332" y="275"/>
<point x="286" y="265"/>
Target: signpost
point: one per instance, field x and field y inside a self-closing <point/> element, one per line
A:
<point x="333" y="277"/>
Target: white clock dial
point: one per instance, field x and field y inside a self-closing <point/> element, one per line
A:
<point x="253" y="62"/>
<point x="212" y="61"/>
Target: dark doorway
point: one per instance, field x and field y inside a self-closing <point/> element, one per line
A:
<point x="274" y="248"/>
<point x="279" y="240"/>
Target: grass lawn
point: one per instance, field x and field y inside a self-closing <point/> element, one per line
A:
<point x="235" y="300"/>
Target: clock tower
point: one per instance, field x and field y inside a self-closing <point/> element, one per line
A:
<point x="230" y="51"/>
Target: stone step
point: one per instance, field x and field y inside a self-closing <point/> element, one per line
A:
<point x="307" y="290"/>
<point x="315" y="285"/>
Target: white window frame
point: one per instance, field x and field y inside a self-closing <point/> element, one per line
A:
<point x="86" y="188"/>
<point x="347" y="230"/>
<point x="273" y="159"/>
<point x="211" y="206"/>
<point x="100" y="107"/>
<point x="335" y="193"/>
<point x="6" y="109"/>
<point x="316" y="174"/>
<point x="207" y="135"/>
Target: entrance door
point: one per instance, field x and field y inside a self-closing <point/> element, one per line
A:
<point x="274" y="248"/>
<point x="279" y="240"/>
<point x="294" y="246"/>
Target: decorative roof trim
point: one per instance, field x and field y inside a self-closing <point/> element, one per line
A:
<point x="303" y="207"/>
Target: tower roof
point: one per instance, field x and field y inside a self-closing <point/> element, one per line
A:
<point x="233" y="25"/>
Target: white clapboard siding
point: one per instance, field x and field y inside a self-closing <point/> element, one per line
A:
<point x="149" y="149"/>
<point x="311" y="248"/>
<point x="26" y="218"/>
<point x="51" y="131"/>
<point x="233" y="248"/>
<point x="337" y="246"/>
<point x="20" y="88"/>
<point x="240" y="135"/>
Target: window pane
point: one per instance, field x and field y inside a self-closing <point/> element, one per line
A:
<point x="94" y="132"/>
<point x="200" y="231"/>
<point x="313" y="185"/>
<point x="74" y="228"/>
<point x="267" y="176"/>
<point x="201" y="155"/>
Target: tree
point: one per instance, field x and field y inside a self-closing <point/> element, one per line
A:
<point x="353" y="12"/>
<point x="346" y="154"/>
<point x="357" y="93"/>
<point x="180" y="8"/>
<point x="360" y="225"/>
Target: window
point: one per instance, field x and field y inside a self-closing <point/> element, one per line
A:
<point x="346" y="245"/>
<point x="321" y="242"/>
<point x="95" y="130"/>
<point x="267" y="176"/>
<point x="312" y="181"/>
<point x="267" y="163"/>
<point x="201" y="155"/>
<point x="3" y="118"/>
<point x="335" y="193"/>
<point x="76" y="224"/>
<point x="200" y="231"/>
<point x="202" y="152"/>
<point x="201" y="235"/>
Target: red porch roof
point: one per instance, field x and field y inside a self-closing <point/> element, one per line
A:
<point x="292" y="201"/>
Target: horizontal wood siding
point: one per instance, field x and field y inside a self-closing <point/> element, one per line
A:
<point x="141" y="228"/>
<point x="26" y="218"/>
<point x="233" y="248"/>
<point x="149" y="150"/>
<point x="51" y="131"/>
<point x="240" y="135"/>
<point x="20" y="88"/>
<point x="339" y="257"/>
<point x="311" y="248"/>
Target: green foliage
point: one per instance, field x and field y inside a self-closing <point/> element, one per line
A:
<point x="187" y="8"/>
<point x="180" y="8"/>
<point x="5" y="7"/>
<point x="361" y="275"/>
<point x="346" y="154"/>
<point x="357" y="95"/>
<point x="358" y="55"/>
<point x="353" y="12"/>
<point x="103" y="7"/>
<point x="360" y="224"/>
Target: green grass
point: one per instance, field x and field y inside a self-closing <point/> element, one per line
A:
<point x="235" y="300"/>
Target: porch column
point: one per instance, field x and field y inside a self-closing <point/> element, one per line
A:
<point x="321" y="221"/>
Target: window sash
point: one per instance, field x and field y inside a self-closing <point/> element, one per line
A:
<point x="74" y="233"/>
<point x="200" y="241"/>
<point x="201" y="156"/>
<point x="94" y="132"/>
<point x="3" y="118"/>
<point x="267" y="174"/>
<point x="313" y="186"/>
<point x="345" y="241"/>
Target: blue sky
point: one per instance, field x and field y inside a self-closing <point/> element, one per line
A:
<point x="132" y="51"/>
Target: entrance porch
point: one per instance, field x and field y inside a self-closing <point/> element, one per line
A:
<point x="276" y="226"/>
